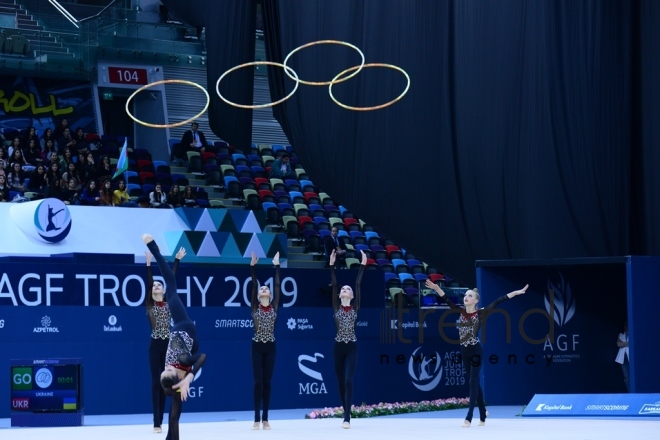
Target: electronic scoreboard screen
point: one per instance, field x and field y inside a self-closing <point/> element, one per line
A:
<point x="44" y="387"/>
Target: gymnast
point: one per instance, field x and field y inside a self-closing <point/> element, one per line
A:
<point x="471" y="348"/>
<point x="345" y="351"/>
<point x="264" y="315"/>
<point x="182" y="361"/>
<point x="159" y="320"/>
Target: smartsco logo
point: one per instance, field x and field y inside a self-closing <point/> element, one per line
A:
<point x="52" y="220"/>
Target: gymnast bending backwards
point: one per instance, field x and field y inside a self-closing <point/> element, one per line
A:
<point x="471" y="349"/>
<point x="264" y="315"/>
<point x="182" y="360"/>
<point x="345" y="350"/>
<point x="158" y="313"/>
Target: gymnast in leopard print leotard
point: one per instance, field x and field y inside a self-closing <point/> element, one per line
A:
<point x="158" y="313"/>
<point x="264" y="314"/>
<point x="345" y="351"/>
<point x="468" y="325"/>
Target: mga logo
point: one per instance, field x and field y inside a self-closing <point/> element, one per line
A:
<point x="2" y="323"/>
<point x="300" y="324"/>
<point x="316" y="387"/>
<point x="650" y="408"/>
<point x="112" y="320"/>
<point x="426" y="372"/>
<point x="45" y="326"/>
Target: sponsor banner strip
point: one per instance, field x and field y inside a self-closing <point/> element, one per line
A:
<point x="589" y="405"/>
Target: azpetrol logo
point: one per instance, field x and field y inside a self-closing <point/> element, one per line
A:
<point x="45" y="326"/>
<point x="426" y="372"/>
<point x="52" y="220"/>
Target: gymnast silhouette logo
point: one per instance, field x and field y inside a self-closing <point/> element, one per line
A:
<point x="52" y="220"/>
<point x="425" y="371"/>
<point x="560" y="298"/>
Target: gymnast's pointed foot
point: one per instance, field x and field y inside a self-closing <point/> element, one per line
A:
<point x="255" y="426"/>
<point x="466" y="423"/>
<point x="266" y="425"/>
<point x="147" y="238"/>
<point x="157" y="429"/>
<point x="482" y="422"/>
<point x="346" y="425"/>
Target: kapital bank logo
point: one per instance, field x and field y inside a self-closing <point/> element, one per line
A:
<point x="45" y="326"/>
<point x="112" y="320"/>
<point x="394" y="324"/>
<point x="545" y="407"/>
<point x="650" y="408"/>
<point x="426" y="372"/>
<point x="564" y="304"/>
<point x="46" y="220"/>
<point x="300" y="324"/>
<point x="317" y="386"/>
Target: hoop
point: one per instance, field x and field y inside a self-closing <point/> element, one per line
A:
<point x="313" y="43"/>
<point x="168" y="81"/>
<point x="257" y="63"/>
<point x="376" y="107"/>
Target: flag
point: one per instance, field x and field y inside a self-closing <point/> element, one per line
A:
<point x="122" y="163"/>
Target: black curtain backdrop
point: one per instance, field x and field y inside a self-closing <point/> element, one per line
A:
<point x="531" y="129"/>
<point x="230" y="39"/>
<point x="514" y="141"/>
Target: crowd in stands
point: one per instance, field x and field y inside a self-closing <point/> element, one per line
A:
<point x="78" y="170"/>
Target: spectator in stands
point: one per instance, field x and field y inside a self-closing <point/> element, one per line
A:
<point x="71" y="174"/>
<point x="174" y="197"/>
<point x="16" y="145"/>
<point x="105" y="171"/>
<point x="59" y="130"/>
<point x="54" y="188"/>
<point x="281" y="168"/>
<point x="67" y="158"/>
<point x="80" y="163"/>
<point x="71" y="195"/>
<point x="3" y="158"/>
<point x="622" y="356"/>
<point x="157" y="198"/>
<point x="53" y="175"/>
<point x="38" y="180"/>
<point x="106" y="196"/>
<point x="193" y="139"/>
<point x="67" y="141"/>
<point x="30" y="135"/>
<point x="48" y="135"/>
<point x="4" y="188"/>
<point x="332" y="243"/>
<point x="121" y="195"/>
<point x="81" y="142"/>
<point x="189" y="199"/>
<point x="91" y="195"/>
<point x="54" y="159"/>
<point x="16" y="178"/>
<point x="89" y="169"/>
<point x="3" y="166"/>
<point x="48" y="150"/>
<point x="32" y="153"/>
<point x="17" y="157"/>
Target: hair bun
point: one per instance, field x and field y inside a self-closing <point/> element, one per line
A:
<point x="475" y="290"/>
